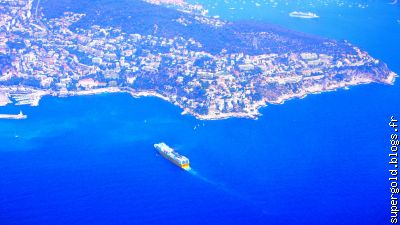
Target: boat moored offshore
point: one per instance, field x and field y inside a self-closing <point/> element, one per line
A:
<point x="304" y="15"/>
<point x="19" y="116"/>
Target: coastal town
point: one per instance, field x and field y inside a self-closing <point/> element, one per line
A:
<point x="51" y="56"/>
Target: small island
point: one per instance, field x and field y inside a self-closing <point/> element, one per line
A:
<point x="209" y="67"/>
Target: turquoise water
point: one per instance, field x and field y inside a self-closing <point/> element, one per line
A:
<point x="318" y="160"/>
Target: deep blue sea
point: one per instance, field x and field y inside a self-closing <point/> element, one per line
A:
<point x="90" y="160"/>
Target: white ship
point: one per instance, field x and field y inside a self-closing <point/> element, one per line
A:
<point x="172" y="156"/>
<point x="19" y="116"/>
<point x="304" y="15"/>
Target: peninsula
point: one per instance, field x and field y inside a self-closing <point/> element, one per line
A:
<point x="209" y="67"/>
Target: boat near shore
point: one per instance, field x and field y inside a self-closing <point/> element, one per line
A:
<point x="19" y="116"/>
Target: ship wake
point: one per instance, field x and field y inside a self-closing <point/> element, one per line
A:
<point x="220" y="186"/>
<point x="203" y="178"/>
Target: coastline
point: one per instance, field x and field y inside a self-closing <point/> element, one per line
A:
<point x="283" y="98"/>
<point x="4" y="99"/>
<point x="33" y="96"/>
<point x="391" y="78"/>
<point x="247" y="105"/>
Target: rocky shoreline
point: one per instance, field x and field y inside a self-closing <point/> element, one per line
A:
<point x="32" y="97"/>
